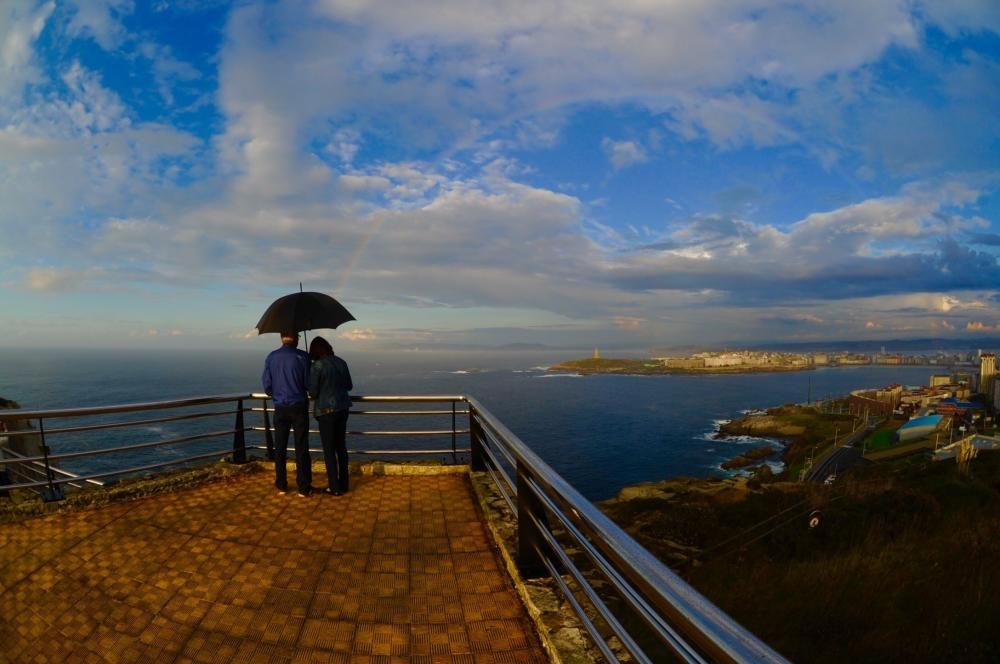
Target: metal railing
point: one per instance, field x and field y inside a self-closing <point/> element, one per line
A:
<point x="41" y="472"/>
<point x="454" y="411"/>
<point x="686" y="626"/>
<point x="664" y="617"/>
<point x="52" y="479"/>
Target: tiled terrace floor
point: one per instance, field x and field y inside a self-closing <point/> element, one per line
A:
<point x="399" y="570"/>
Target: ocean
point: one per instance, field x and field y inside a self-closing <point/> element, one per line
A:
<point x="599" y="432"/>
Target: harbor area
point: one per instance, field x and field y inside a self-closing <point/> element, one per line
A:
<point x="399" y="569"/>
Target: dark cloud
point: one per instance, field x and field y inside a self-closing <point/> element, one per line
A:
<point x="952" y="268"/>
<point x="666" y="245"/>
<point x="988" y="239"/>
<point x="790" y="321"/>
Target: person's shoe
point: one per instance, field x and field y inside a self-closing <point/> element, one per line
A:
<point x="338" y="492"/>
<point x="328" y="491"/>
<point x="306" y="493"/>
<point x="281" y="492"/>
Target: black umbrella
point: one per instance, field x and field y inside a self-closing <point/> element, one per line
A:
<point x="303" y="311"/>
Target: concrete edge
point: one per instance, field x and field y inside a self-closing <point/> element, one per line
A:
<point x="562" y="635"/>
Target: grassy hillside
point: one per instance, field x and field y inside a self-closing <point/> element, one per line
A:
<point x="904" y="566"/>
<point x="591" y="365"/>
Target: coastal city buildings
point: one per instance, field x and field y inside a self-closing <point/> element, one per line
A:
<point x="987" y="374"/>
<point x="750" y="358"/>
<point x="942" y="399"/>
<point x="736" y="359"/>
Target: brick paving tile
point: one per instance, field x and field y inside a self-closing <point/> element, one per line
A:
<point x="399" y="570"/>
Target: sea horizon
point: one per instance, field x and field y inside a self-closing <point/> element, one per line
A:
<point x="601" y="432"/>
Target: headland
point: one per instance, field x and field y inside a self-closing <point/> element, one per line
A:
<point x="703" y="363"/>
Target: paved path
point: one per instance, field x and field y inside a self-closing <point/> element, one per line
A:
<point x="837" y="461"/>
<point x="399" y="570"/>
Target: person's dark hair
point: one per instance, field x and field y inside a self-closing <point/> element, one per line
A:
<point x="319" y="348"/>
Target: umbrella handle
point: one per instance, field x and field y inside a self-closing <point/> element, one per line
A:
<point x="305" y="333"/>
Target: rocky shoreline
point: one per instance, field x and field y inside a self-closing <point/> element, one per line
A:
<point x="799" y="428"/>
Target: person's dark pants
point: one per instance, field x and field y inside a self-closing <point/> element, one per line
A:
<point x="333" y="434"/>
<point x="286" y="418"/>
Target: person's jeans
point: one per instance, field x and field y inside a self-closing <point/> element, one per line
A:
<point x="333" y="434"/>
<point x="297" y="418"/>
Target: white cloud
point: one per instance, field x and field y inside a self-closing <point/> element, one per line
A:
<point x="462" y="69"/>
<point x="99" y="20"/>
<point x="51" y="279"/>
<point x="732" y="121"/>
<point x="629" y="322"/>
<point x="623" y="154"/>
<point x="168" y="70"/>
<point x="91" y="107"/>
<point x="21" y="22"/>
<point x="363" y="334"/>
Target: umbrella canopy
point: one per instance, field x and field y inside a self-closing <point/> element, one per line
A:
<point x="303" y="311"/>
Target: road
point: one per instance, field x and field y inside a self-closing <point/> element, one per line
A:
<point x="843" y="457"/>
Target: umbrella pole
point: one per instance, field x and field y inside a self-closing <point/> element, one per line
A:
<point x="305" y="334"/>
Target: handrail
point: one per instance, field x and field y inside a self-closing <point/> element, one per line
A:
<point x="18" y="414"/>
<point x="707" y="633"/>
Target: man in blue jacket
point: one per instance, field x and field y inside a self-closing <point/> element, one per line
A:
<point x="286" y="381"/>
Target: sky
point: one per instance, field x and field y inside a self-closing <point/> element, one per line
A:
<point x="468" y="172"/>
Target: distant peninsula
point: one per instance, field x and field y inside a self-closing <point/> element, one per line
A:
<point x="702" y="363"/>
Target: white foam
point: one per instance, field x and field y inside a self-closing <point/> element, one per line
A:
<point x="753" y="411"/>
<point x="747" y="440"/>
<point x="561" y="375"/>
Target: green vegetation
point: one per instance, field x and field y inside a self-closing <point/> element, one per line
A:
<point x="881" y="439"/>
<point x="592" y="365"/>
<point x="901" y="568"/>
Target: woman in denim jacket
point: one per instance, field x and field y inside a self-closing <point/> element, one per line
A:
<point x="329" y="384"/>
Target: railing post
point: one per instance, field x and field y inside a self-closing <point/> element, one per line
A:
<point x="529" y="539"/>
<point x="477" y="460"/>
<point x="239" y="437"/>
<point x="268" y="436"/>
<point x="52" y="492"/>
<point x="454" y="449"/>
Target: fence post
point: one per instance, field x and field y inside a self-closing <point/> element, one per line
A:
<point x="477" y="460"/>
<point x="268" y="436"/>
<point x="454" y="449"/>
<point x="52" y="492"/>
<point x="239" y="437"/>
<point x="529" y="539"/>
